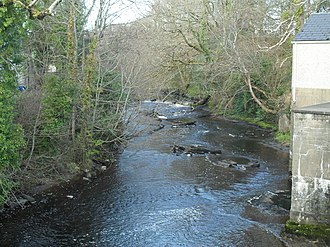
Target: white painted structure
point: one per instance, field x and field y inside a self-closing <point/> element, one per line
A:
<point x="311" y="56"/>
<point x="311" y="66"/>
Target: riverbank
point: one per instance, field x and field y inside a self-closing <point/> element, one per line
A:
<point x="171" y="181"/>
<point x="249" y="196"/>
<point x="317" y="235"/>
<point x="283" y="138"/>
<point x="31" y="188"/>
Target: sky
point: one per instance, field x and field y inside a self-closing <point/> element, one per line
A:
<point x="122" y="11"/>
<point x="134" y="11"/>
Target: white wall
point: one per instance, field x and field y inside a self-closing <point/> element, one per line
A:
<point x="311" y="66"/>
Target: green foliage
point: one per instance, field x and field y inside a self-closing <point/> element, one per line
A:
<point x="112" y="97"/>
<point x="299" y="11"/>
<point x="194" y="91"/>
<point x="243" y="104"/>
<point x="296" y="9"/>
<point x="112" y="86"/>
<point x="12" y="34"/>
<point x="257" y="122"/>
<point x="243" y="107"/>
<point x="203" y="40"/>
<point x="11" y="135"/>
<point x="12" y="19"/>
<point x="283" y="137"/>
<point x="80" y="107"/>
<point x="6" y="185"/>
<point x="308" y="230"/>
<point x="57" y="104"/>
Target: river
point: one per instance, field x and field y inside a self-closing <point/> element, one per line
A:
<point x="160" y="193"/>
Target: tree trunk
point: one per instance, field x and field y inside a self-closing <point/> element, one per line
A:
<point x="255" y="98"/>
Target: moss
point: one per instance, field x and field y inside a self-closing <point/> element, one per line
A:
<point x="257" y="122"/>
<point x="283" y="137"/>
<point x="309" y="231"/>
<point x="194" y="91"/>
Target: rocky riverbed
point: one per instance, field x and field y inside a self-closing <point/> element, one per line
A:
<point x="186" y="178"/>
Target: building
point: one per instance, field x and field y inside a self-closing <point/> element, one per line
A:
<point x="310" y="150"/>
<point x="311" y="62"/>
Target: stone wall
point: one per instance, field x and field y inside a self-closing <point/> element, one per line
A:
<point x="310" y="203"/>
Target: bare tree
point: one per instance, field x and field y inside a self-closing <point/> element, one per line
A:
<point x="203" y="44"/>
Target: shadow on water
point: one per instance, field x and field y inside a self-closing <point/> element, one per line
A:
<point x="154" y="197"/>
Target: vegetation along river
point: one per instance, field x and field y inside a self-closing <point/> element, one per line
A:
<point x="170" y="187"/>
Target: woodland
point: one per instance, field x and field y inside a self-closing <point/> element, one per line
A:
<point x="65" y="84"/>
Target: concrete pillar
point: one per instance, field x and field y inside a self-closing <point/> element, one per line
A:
<point x="310" y="203"/>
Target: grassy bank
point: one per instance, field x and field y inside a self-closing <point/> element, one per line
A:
<point x="283" y="138"/>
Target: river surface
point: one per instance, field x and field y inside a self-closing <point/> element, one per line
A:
<point x="156" y="197"/>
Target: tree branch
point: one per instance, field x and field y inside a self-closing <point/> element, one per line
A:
<point x="188" y="43"/>
<point x="53" y="6"/>
<point x="32" y="3"/>
<point x="33" y="11"/>
<point x="255" y="98"/>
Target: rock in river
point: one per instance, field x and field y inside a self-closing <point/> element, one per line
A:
<point x="195" y="149"/>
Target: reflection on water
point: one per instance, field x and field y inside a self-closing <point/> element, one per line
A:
<point x="154" y="197"/>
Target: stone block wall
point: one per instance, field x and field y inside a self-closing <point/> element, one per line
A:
<point x="310" y="203"/>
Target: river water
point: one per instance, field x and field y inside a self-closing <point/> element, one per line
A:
<point x="155" y="197"/>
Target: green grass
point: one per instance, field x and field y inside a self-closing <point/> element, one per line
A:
<point x="283" y="137"/>
<point x="257" y="122"/>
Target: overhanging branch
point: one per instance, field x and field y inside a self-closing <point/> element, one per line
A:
<point x="34" y="12"/>
<point x="53" y="6"/>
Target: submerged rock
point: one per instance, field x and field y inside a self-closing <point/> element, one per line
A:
<point x="19" y="202"/>
<point x="202" y="150"/>
<point x="22" y="201"/>
<point x="182" y="122"/>
<point x="178" y="149"/>
<point x="199" y="189"/>
<point x="194" y="150"/>
<point x="226" y="163"/>
<point x="87" y="179"/>
<point x="161" y="126"/>
<point x="252" y="164"/>
<point x="30" y="199"/>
